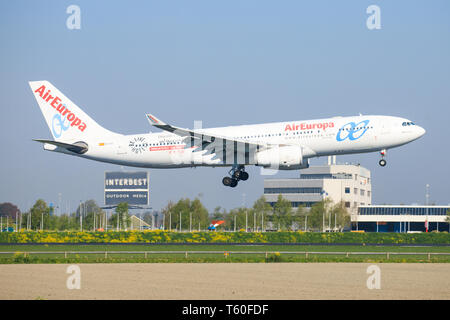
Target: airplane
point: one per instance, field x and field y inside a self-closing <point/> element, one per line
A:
<point x="277" y="145"/>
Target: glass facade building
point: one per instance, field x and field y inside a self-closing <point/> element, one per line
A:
<point x="402" y="210"/>
<point x="401" y="218"/>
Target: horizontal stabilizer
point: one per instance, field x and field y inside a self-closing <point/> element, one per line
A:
<point x="78" y="147"/>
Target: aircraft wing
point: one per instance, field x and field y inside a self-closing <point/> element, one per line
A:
<point x="229" y="150"/>
<point x="209" y="141"/>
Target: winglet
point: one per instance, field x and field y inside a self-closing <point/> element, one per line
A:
<point x="154" y="121"/>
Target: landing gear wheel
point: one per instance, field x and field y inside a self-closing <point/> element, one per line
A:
<point x="382" y="162"/>
<point x="237" y="175"/>
<point x="227" y="181"/>
<point x="243" y="175"/>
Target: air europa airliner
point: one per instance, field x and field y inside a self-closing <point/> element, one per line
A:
<point x="280" y="145"/>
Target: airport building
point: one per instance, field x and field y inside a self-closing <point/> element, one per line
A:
<point x="349" y="183"/>
<point x="400" y="218"/>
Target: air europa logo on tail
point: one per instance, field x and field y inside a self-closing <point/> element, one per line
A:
<point x="309" y="126"/>
<point x="56" y="103"/>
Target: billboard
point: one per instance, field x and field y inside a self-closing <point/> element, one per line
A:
<point x="131" y="187"/>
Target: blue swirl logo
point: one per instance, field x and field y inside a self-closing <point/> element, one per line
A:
<point x="58" y="125"/>
<point x="353" y="130"/>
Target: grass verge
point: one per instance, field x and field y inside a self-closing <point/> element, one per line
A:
<point x="268" y="253"/>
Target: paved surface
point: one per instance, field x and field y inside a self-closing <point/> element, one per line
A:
<point x="226" y="281"/>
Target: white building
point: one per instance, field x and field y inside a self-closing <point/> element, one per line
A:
<point x="339" y="182"/>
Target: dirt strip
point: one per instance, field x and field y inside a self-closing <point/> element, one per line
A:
<point x="226" y="281"/>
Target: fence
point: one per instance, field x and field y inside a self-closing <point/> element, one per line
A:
<point x="226" y="253"/>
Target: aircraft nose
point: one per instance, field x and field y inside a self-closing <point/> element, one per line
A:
<point x="421" y="131"/>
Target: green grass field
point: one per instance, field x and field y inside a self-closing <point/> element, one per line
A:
<point x="269" y="253"/>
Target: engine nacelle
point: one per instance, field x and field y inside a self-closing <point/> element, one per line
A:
<point x="283" y="158"/>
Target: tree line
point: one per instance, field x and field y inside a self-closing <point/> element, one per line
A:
<point x="87" y="217"/>
<point x="192" y="215"/>
<point x="185" y="215"/>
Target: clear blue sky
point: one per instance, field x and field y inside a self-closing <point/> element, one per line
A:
<point x="225" y="63"/>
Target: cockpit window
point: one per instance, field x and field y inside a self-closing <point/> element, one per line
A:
<point x="408" y="124"/>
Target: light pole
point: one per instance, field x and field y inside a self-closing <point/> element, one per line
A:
<point x="329" y="220"/>
<point x="262" y="221"/>
<point x="335" y="214"/>
<point x="246" y="217"/>
<point x="81" y="216"/>
<point x="427" y="196"/>
<point x="106" y="221"/>
<point x="164" y="222"/>
<point x="246" y="220"/>
<point x="190" y="221"/>
<point x="59" y="203"/>
<point x="118" y="220"/>
<point x="153" y="221"/>
<point x="324" y="194"/>
<point x="180" y="221"/>
<point x="323" y="219"/>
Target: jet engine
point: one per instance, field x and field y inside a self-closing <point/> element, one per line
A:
<point x="283" y="158"/>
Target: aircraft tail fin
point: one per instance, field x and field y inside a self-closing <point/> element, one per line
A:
<point x="66" y="121"/>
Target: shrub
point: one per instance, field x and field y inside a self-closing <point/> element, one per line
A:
<point x="275" y="257"/>
<point x="159" y="236"/>
<point x="20" y="257"/>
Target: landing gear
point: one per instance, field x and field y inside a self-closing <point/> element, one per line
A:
<point x="240" y="175"/>
<point x="229" y="182"/>
<point x="236" y="173"/>
<point x="244" y="176"/>
<point x="382" y="162"/>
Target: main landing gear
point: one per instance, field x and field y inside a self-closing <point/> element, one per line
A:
<point x="236" y="173"/>
<point x="382" y="162"/>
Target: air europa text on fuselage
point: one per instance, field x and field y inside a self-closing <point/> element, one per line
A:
<point x="57" y="104"/>
<point x="309" y="126"/>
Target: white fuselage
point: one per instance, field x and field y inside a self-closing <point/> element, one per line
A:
<point x="321" y="137"/>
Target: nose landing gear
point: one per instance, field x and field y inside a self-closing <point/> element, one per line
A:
<point x="236" y="173"/>
<point x="382" y="162"/>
